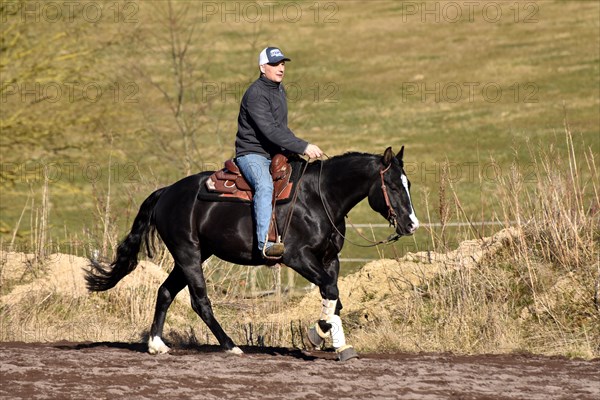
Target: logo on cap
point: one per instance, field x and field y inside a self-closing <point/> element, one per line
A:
<point x="276" y="53"/>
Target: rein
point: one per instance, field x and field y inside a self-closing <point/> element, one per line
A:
<point x="288" y="219"/>
<point x="391" y="214"/>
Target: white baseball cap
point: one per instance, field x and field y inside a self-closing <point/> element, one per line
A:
<point x="271" y="55"/>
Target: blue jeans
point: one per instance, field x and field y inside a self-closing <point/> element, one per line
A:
<point x="255" y="169"/>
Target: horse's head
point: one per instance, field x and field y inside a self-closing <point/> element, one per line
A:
<point x="389" y="195"/>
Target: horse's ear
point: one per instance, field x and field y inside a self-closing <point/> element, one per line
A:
<point x="400" y="154"/>
<point x="388" y="156"/>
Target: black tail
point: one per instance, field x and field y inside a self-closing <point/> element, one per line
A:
<point x="99" y="277"/>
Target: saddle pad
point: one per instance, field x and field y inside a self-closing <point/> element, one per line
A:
<point x="205" y="195"/>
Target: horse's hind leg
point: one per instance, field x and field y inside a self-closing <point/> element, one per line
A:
<point x="194" y="276"/>
<point x="174" y="283"/>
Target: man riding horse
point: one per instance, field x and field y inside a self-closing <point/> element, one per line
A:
<point x="194" y="228"/>
<point x="262" y="133"/>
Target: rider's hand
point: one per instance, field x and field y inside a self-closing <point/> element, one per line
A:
<point x="313" y="151"/>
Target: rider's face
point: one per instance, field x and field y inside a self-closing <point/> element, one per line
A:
<point x="274" y="72"/>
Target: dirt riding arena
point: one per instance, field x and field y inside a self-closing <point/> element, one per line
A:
<point x="120" y="370"/>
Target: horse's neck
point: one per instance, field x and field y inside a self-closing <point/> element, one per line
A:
<point x="347" y="182"/>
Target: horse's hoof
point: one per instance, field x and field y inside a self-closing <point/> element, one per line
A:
<point x="236" y="351"/>
<point x="346" y="353"/>
<point x="157" y="346"/>
<point x="314" y="338"/>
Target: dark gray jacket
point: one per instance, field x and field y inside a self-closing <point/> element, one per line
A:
<point x="262" y="122"/>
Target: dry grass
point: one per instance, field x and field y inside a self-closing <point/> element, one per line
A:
<point x="540" y="293"/>
<point x="49" y="302"/>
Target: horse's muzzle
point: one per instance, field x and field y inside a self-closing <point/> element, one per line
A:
<point x="413" y="226"/>
<point x="407" y="229"/>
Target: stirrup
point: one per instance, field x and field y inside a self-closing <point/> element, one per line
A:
<point x="274" y="252"/>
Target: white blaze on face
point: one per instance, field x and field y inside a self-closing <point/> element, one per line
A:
<point x="412" y="215"/>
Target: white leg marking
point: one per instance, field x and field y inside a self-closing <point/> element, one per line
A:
<point x="236" y="350"/>
<point x="157" y="346"/>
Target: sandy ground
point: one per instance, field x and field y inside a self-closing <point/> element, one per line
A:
<point x="123" y="370"/>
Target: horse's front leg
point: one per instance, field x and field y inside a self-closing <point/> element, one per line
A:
<point x="330" y="323"/>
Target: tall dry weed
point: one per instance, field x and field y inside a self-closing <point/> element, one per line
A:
<point x="541" y="293"/>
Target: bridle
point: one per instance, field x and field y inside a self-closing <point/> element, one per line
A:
<point x="392" y="216"/>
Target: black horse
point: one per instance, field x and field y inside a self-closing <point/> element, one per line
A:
<point x="193" y="230"/>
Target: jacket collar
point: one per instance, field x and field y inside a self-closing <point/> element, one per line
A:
<point x="269" y="83"/>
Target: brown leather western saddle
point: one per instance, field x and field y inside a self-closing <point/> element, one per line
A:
<point x="229" y="183"/>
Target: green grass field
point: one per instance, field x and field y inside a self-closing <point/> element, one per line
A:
<point x="104" y="99"/>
